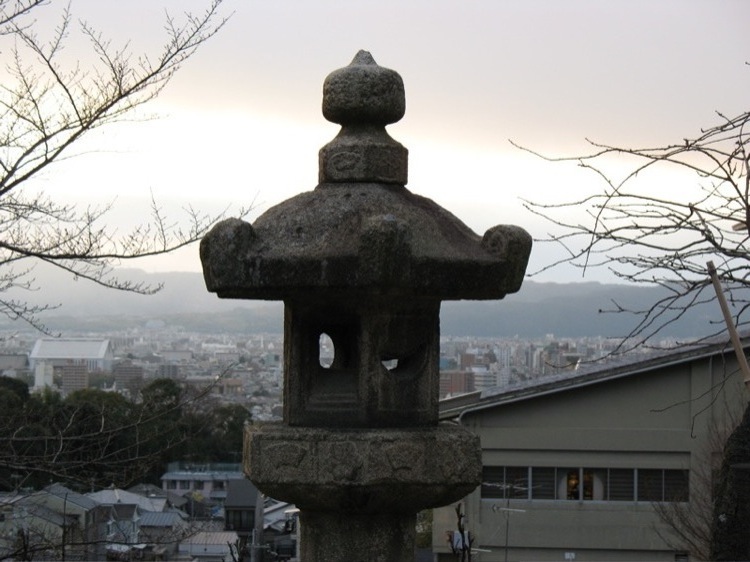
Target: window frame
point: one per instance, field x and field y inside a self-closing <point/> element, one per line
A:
<point x="585" y="484"/>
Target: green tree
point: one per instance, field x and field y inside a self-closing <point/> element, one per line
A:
<point x="17" y="387"/>
<point x="164" y="395"/>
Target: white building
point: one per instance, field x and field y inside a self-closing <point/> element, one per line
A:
<point x="94" y="354"/>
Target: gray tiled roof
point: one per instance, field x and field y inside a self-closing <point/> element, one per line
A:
<point x="115" y="496"/>
<point x="241" y="493"/>
<point x="164" y="519"/>
<point x="70" y="496"/>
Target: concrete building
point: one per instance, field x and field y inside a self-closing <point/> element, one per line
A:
<point x="128" y="377"/>
<point x="211" y="480"/>
<point x="12" y="364"/>
<point x="43" y="375"/>
<point x="580" y="465"/>
<point x="74" y="377"/>
<point x="456" y="382"/>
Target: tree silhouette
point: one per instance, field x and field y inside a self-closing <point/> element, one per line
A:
<point x="47" y="105"/>
<point x="644" y="233"/>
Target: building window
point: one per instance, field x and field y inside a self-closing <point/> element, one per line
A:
<point x="569" y="483"/>
<point x="676" y="485"/>
<point x="493" y="481"/>
<point x="621" y="484"/>
<point x="184" y="484"/>
<point x="585" y="484"/>
<point x="656" y="485"/>
<point x="650" y="485"/>
<point x="594" y="484"/>
<point x="503" y="482"/>
<point x="171" y="484"/>
<point x="544" y="483"/>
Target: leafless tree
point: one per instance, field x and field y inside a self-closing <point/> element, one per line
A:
<point x="646" y="232"/>
<point x="689" y="521"/>
<point x="47" y="105"/>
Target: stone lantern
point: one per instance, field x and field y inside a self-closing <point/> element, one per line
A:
<point x="366" y="262"/>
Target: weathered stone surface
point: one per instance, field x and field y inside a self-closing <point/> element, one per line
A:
<point x="360" y="231"/>
<point x="364" y="238"/>
<point x="363" y="471"/>
<point x="383" y="537"/>
<point x="363" y="98"/>
<point x="358" y="389"/>
<point x="363" y="93"/>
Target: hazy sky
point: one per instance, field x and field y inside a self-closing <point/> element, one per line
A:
<point x="241" y="122"/>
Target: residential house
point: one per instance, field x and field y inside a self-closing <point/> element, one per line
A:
<point x="60" y="518"/>
<point x="240" y="509"/>
<point x="116" y="496"/>
<point x="163" y="531"/>
<point x="123" y="526"/>
<point x="29" y="530"/>
<point x="209" y="546"/>
<point x="174" y="501"/>
<point x="587" y="464"/>
<point x="202" y="482"/>
<point x="122" y="529"/>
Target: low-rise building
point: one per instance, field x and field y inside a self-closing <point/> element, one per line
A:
<point x="586" y="465"/>
<point x="209" y="546"/>
<point x="53" y="520"/>
<point x="210" y="480"/>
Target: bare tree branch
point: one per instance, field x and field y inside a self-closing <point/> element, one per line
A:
<point x="641" y="232"/>
<point x="47" y="105"/>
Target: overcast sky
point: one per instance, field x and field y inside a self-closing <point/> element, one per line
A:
<point x="241" y="122"/>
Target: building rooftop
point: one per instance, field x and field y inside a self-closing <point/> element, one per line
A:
<point x="69" y="348"/>
<point x="584" y="375"/>
<point x="164" y="519"/>
<point x="70" y="496"/>
<point x="115" y="496"/>
<point x="211" y="537"/>
<point x="202" y="475"/>
<point x="241" y="493"/>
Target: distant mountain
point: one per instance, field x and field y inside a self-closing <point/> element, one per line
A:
<point x="568" y="310"/>
<point x="563" y="309"/>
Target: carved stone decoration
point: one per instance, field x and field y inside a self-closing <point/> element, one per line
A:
<point x="367" y="263"/>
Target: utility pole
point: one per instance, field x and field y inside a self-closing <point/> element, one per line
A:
<point x="733" y="335"/>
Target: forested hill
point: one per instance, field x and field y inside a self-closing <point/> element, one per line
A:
<point x="565" y="310"/>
